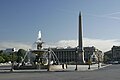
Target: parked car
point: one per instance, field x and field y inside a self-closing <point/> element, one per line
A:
<point x="115" y="62"/>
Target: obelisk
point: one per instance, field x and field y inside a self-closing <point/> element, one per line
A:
<point x="80" y="42"/>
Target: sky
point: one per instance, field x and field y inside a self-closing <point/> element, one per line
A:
<point x="20" y="21"/>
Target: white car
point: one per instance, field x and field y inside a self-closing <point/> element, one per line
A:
<point x="115" y="62"/>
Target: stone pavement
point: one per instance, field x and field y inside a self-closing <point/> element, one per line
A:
<point x="109" y="73"/>
<point x="85" y="67"/>
<point x="69" y="68"/>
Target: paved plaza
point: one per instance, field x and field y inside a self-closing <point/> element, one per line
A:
<point x="108" y="73"/>
<point x="6" y="68"/>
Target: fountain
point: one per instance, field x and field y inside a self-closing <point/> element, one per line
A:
<point x="42" y="58"/>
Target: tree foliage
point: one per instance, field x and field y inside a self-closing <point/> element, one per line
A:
<point x="2" y="59"/>
<point x="12" y="56"/>
<point x="6" y="57"/>
<point x="20" y="55"/>
<point x="21" y="52"/>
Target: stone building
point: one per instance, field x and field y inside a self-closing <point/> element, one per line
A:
<point x="68" y="55"/>
<point x="93" y="54"/>
<point x="113" y="54"/>
<point x="116" y="53"/>
<point x="108" y="56"/>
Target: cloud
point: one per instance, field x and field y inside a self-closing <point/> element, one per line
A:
<point x="17" y="45"/>
<point x="63" y="43"/>
<point x="100" y="44"/>
<point x="110" y="15"/>
<point x="114" y="13"/>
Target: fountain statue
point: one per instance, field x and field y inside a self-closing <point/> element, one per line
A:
<point x="39" y="41"/>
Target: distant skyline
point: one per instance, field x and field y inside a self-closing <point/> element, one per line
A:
<point x="20" y="21"/>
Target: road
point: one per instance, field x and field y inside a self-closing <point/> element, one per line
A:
<point x="109" y="73"/>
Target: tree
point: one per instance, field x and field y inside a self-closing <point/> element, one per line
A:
<point x="20" y="55"/>
<point x="2" y="59"/>
<point x="6" y="57"/>
<point x="1" y="51"/>
<point x="13" y="56"/>
<point x="106" y="58"/>
<point x="21" y="52"/>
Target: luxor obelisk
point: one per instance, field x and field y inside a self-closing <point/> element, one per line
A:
<point x="80" y="42"/>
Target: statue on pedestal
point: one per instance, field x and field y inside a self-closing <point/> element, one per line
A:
<point x="39" y="41"/>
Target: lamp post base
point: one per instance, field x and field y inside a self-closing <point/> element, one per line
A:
<point x="76" y="69"/>
<point x="89" y="67"/>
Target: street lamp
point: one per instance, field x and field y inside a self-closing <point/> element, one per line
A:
<point x="76" y="55"/>
<point x="49" y="59"/>
<point x="12" y="63"/>
<point x="89" y="62"/>
<point x="98" y="61"/>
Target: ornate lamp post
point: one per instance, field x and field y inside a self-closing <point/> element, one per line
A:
<point x="89" y="62"/>
<point x="12" y="63"/>
<point x="98" y="61"/>
<point x="49" y="59"/>
<point x="76" y="55"/>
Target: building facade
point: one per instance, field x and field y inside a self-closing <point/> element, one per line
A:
<point x="69" y="55"/>
<point x="108" y="56"/>
<point x="93" y="54"/>
<point x="116" y="53"/>
<point x="112" y="55"/>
